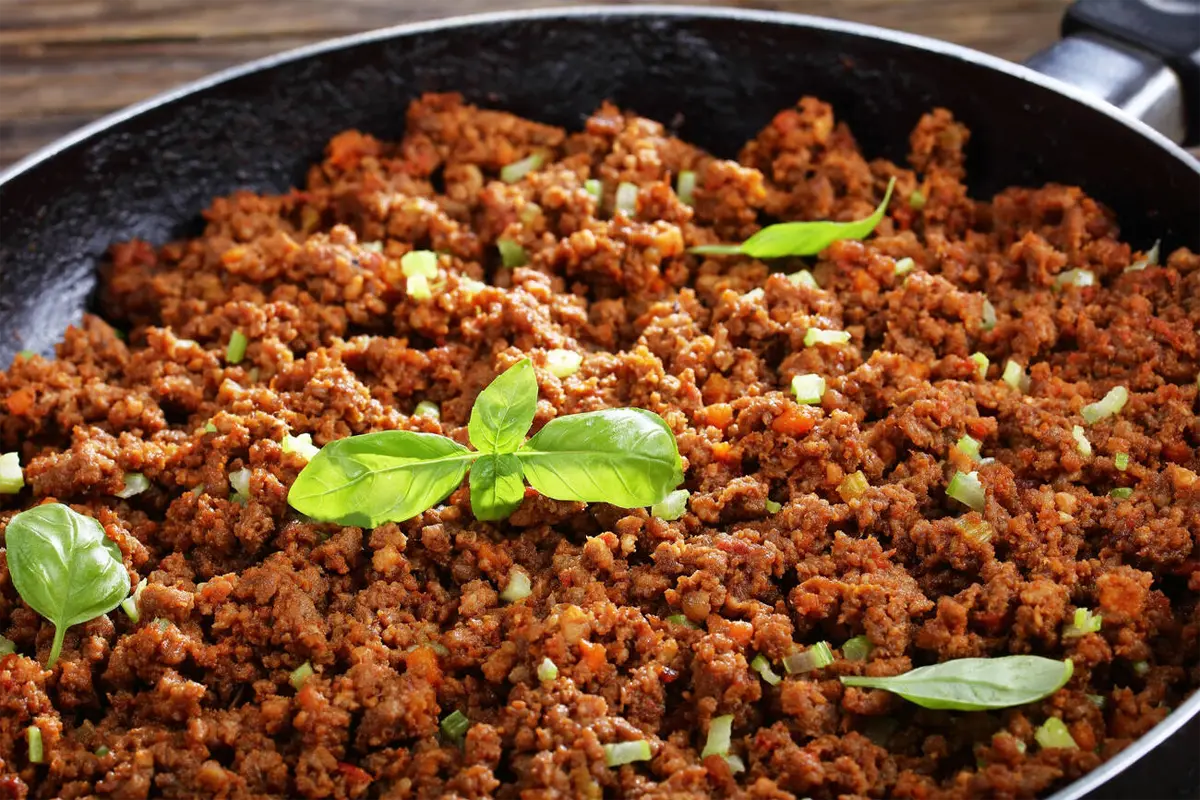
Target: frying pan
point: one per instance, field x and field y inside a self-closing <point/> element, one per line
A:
<point x="721" y="74"/>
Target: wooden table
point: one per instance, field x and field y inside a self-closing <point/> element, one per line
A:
<point x="65" y="62"/>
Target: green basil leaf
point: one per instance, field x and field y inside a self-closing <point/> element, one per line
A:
<point x="624" y="456"/>
<point x="801" y="238"/>
<point x="64" y="567"/>
<point x="497" y="487"/>
<point x="976" y="684"/>
<point x="504" y="410"/>
<point x="383" y="477"/>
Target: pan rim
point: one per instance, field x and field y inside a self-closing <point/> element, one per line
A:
<point x="1074" y="791"/>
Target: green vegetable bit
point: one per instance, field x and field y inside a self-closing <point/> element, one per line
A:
<point x="857" y="649"/>
<point x="819" y="656"/>
<point x="809" y="389"/>
<point x="853" y="485"/>
<point x="519" y="169"/>
<point x="1084" y="622"/>
<point x="904" y="266"/>
<point x="815" y="336"/>
<point x="916" y="200"/>
<point x="626" y="199"/>
<point x="455" y="726"/>
<point x="1109" y="405"/>
<point x="132" y="605"/>
<point x="801" y="238"/>
<point x="301" y="445"/>
<point x="64" y="567"/>
<point x="975" y="684"/>
<point x="135" y="484"/>
<point x="236" y="350"/>
<point x="685" y="187"/>
<point x="7" y="646"/>
<point x="427" y="408"/>
<point x="423" y="263"/>
<point x="300" y="674"/>
<point x="974" y="528"/>
<point x="33" y="738"/>
<point x="987" y="316"/>
<point x="594" y="188"/>
<point x="563" y="363"/>
<point x="966" y="488"/>
<point x="1053" y="733"/>
<point x="982" y="362"/>
<point x="772" y="506"/>
<point x="672" y="507"/>
<point x="239" y="480"/>
<point x="511" y="254"/>
<point x="621" y="753"/>
<point x="762" y="666"/>
<point x="1121" y="461"/>
<point x="1081" y="441"/>
<point x="1122" y="493"/>
<point x="547" y="670"/>
<point x="417" y="287"/>
<point x="1014" y="375"/>
<point x="720" y="730"/>
<point x="969" y="447"/>
<point x="11" y="476"/>
<point x="102" y="751"/>
<point x="803" y="277"/>
<point x="680" y="619"/>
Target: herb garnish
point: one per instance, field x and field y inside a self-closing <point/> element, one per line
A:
<point x="624" y="456"/>
<point x="800" y="238"/>
<point x="64" y="567"/>
<point x="975" y="684"/>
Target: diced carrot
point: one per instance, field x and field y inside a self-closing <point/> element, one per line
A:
<point x="20" y="401"/>
<point x="719" y="415"/>
<point x="795" y="421"/>
<point x="741" y="632"/>
<point x="720" y="451"/>
<point x="592" y="655"/>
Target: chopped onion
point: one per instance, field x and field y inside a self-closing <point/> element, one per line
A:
<point x="762" y="666"/>
<point x="1150" y="259"/>
<point x="988" y="316"/>
<point x="236" y="350"/>
<point x="419" y="262"/>
<point x="519" y="169"/>
<point x="977" y="530"/>
<point x="671" y="507"/>
<point x="7" y="646"/>
<point x="301" y="445"/>
<point x="916" y="200"/>
<point x="1014" y="375"/>
<point x="1084" y="622"/>
<point x="803" y="277"/>
<point x="982" y="362"/>
<point x="616" y="755"/>
<point x="209" y="428"/>
<point x="547" y="671"/>
<point x="685" y="187"/>
<point x="720" y="731"/>
<point x="417" y="288"/>
<point x="626" y="200"/>
<point x="530" y="213"/>
<point x="371" y="247"/>
<point x="563" y="363"/>
<point x="135" y="483"/>
<point x="102" y="751"/>
<point x="1053" y="733"/>
<point x="33" y="737"/>
<point x="816" y="657"/>
<point x="680" y="619"/>
<point x="1121" y="461"/>
<point x="1097" y="700"/>
<point x="814" y="336"/>
<point x="1121" y="493"/>
<point x="11" y="476"/>
<point x="736" y="764"/>
<point x="754" y="295"/>
<point x="594" y="188"/>
<point x="299" y="675"/>
<point x="518" y="587"/>
<point x="511" y="253"/>
<point x="470" y="286"/>
<point x="857" y="649"/>
<point x="1081" y="441"/>
<point x="1140" y="668"/>
<point x="427" y="408"/>
<point x="1075" y="277"/>
<point x="132" y="605"/>
<point x="904" y="266"/>
<point x="240" y="481"/>
<point x="809" y="389"/>
<point x="853" y="485"/>
<point x="966" y="489"/>
<point x="772" y="506"/>
<point x="1107" y="406"/>
<point x="969" y="447"/>
<point x="455" y="726"/>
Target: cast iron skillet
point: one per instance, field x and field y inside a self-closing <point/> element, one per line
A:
<point x="720" y="74"/>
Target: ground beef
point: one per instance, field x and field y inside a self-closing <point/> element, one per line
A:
<point x="403" y="624"/>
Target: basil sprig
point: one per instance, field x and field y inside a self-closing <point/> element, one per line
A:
<point x="624" y="456"/>
<point x="64" y="567"/>
<point x="975" y="684"/>
<point x="800" y="238"/>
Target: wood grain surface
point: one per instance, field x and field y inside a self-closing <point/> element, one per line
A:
<point x="65" y="62"/>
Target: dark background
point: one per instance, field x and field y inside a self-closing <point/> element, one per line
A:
<point x="66" y="62"/>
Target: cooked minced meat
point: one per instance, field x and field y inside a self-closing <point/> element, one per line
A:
<point x="652" y="625"/>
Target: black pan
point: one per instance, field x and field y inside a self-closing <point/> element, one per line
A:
<point x="149" y="170"/>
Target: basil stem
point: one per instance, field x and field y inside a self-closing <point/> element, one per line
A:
<point x="64" y="567"/>
<point x="800" y="238"/>
<point x="975" y="684"/>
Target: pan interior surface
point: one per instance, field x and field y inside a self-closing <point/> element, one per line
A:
<point x="715" y="78"/>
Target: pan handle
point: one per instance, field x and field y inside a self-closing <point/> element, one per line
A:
<point x="1143" y="56"/>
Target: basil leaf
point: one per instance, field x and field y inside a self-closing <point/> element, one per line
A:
<point x="976" y="684"/>
<point x="504" y="410"/>
<point x="383" y="477"/>
<point x="624" y="456"/>
<point x="64" y="567"/>
<point x="497" y="487"/>
<point x="801" y="238"/>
